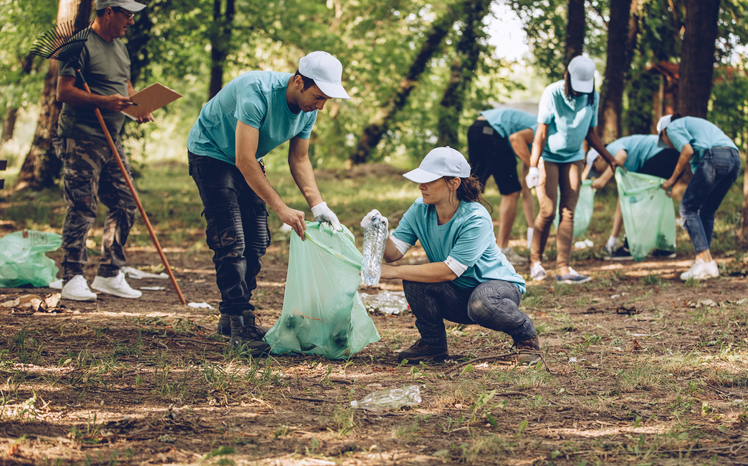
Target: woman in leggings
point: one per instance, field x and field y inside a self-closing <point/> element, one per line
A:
<point x="467" y="280"/>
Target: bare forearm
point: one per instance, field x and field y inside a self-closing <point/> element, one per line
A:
<point x="257" y="181"/>
<point x="434" y="272"/>
<point x="594" y="140"/>
<point x="391" y="253"/>
<point x="685" y="157"/>
<point x="538" y="144"/>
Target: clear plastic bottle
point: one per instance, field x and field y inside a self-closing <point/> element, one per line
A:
<point x="375" y="237"/>
<point x="393" y="398"/>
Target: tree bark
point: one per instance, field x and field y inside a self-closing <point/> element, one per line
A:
<point x="381" y="122"/>
<point x="697" y="57"/>
<point x="463" y="69"/>
<point x="616" y="68"/>
<point x="744" y="213"/>
<point x="41" y="167"/>
<point x="220" y="43"/>
<point x="575" y="30"/>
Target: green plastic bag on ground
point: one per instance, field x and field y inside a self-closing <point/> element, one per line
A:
<point x="583" y="211"/>
<point x="648" y="213"/>
<point x="322" y="311"/>
<point x="22" y="259"/>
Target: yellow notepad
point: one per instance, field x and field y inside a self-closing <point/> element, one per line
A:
<point x="150" y="99"/>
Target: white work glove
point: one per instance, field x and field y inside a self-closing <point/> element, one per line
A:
<point x="371" y="216"/>
<point x="322" y="213"/>
<point x="532" y="178"/>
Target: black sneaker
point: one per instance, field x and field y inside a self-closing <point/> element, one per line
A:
<point x="224" y="323"/>
<point x="246" y="338"/>
<point x="528" y="351"/>
<point x="620" y="254"/>
<point x="421" y="351"/>
<point x="663" y="253"/>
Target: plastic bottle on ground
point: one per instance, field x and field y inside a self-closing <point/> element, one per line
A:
<point x="393" y="398"/>
<point x="375" y="237"/>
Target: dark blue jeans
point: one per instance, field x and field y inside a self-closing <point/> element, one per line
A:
<point x="717" y="172"/>
<point x="493" y="304"/>
<point x="237" y="230"/>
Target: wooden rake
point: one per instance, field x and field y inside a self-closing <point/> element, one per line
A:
<point x="64" y="43"/>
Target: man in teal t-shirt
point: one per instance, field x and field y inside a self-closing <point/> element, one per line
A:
<point x="249" y="117"/>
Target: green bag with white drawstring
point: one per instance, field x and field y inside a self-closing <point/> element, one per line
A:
<point x="322" y="311"/>
<point x="648" y="213"/>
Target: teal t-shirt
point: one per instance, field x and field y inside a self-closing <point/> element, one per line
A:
<point x="639" y="148"/>
<point x="467" y="238"/>
<point x="568" y="120"/>
<point x="106" y="68"/>
<point x="701" y="134"/>
<point x="507" y="121"/>
<point x="258" y="99"/>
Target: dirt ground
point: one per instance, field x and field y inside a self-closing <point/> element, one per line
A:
<point x="640" y="368"/>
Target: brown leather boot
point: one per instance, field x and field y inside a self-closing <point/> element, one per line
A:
<point x="421" y="351"/>
<point x="528" y="351"/>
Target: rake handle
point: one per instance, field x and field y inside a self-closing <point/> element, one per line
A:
<point x="137" y="199"/>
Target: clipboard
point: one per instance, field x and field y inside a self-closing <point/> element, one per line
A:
<point x="150" y="99"/>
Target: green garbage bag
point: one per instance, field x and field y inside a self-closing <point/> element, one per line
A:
<point x="22" y="259"/>
<point x="583" y="211"/>
<point x="648" y="213"/>
<point x="322" y="311"/>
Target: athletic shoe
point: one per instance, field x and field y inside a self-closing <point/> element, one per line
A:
<point x="663" y="253"/>
<point x="77" y="289"/>
<point x="701" y="270"/>
<point x="116" y="286"/>
<point x="246" y="339"/>
<point x="528" y="351"/>
<point x="514" y="258"/>
<point x="573" y="277"/>
<point x="537" y="272"/>
<point x="224" y="324"/>
<point x="620" y="254"/>
<point x="421" y="351"/>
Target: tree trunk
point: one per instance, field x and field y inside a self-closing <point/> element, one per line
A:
<point x="575" y="30"/>
<point x="9" y="121"/>
<point x="616" y="68"/>
<point x="744" y="213"/>
<point x="380" y="124"/>
<point x="468" y="50"/>
<point x="41" y="167"/>
<point x="220" y="43"/>
<point x="138" y="36"/>
<point x="697" y="57"/>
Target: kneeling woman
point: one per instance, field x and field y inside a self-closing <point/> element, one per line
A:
<point x="467" y="280"/>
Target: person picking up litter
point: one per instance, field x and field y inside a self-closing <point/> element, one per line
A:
<point x="467" y="280"/>
<point x="249" y="117"/>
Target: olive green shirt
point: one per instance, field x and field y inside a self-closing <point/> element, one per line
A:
<point x="106" y="68"/>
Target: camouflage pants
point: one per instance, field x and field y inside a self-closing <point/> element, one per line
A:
<point x="91" y="171"/>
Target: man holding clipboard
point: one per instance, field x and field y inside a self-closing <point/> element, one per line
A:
<point x="253" y="114"/>
<point x="90" y="169"/>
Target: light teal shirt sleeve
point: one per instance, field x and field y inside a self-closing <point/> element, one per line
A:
<point x="569" y="120"/>
<point x="701" y="134"/>
<point x="507" y="121"/>
<point x="639" y="148"/>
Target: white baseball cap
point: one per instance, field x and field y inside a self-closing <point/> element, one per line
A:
<point x="592" y="155"/>
<point x="129" y="5"/>
<point x="582" y="72"/>
<point x="663" y="123"/>
<point x="326" y="71"/>
<point x="442" y="161"/>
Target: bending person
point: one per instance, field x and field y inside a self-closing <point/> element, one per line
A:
<point x="639" y="154"/>
<point x="567" y="116"/>
<point x="249" y="117"/>
<point x="467" y="279"/>
<point x="495" y="140"/>
<point x="715" y="163"/>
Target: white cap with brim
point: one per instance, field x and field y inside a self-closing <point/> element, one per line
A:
<point x="129" y="5"/>
<point x="661" y="125"/>
<point x="582" y="72"/>
<point x="442" y="161"/>
<point x="592" y="154"/>
<point x="326" y="71"/>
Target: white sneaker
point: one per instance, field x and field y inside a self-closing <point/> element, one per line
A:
<point x="513" y="257"/>
<point x="701" y="270"/>
<point x="537" y="272"/>
<point x="116" y="286"/>
<point x="77" y="289"/>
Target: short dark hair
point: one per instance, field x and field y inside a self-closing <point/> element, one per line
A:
<point x="308" y="82"/>
<point x="101" y="12"/>
<point x="568" y="89"/>
<point x="675" y="117"/>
